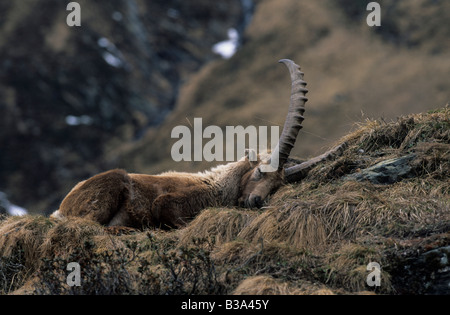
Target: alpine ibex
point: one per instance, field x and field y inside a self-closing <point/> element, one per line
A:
<point x="116" y="198"/>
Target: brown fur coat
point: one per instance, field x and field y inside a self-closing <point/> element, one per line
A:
<point x="116" y="198"/>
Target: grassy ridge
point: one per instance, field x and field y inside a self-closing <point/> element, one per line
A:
<point x="312" y="237"/>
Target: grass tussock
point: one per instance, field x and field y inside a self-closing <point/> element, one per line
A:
<point x="26" y="241"/>
<point x="223" y="225"/>
<point x="20" y="242"/>
<point x="266" y="285"/>
<point x="312" y="237"/>
<point x="70" y="235"/>
<point x="347" y="268"/>
<point x="25" y="235"/>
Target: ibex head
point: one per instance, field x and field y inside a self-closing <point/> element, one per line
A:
<point x="269" y="174"/>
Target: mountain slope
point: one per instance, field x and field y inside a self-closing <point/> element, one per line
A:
<point x="353" y="72"/>
<point x="317" y="236"/>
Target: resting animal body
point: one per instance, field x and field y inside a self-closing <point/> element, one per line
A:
<point x="116" y="198"/>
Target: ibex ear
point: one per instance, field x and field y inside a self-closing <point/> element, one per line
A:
<point x="251" y="156"/>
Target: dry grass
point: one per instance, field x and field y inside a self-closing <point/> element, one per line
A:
<point x="223" y="225"/>
<point x="24" y="234"/>
<point x="20" y="249"/>
<point x="26" y="241"/>
<point x="326" y="215"/>
<point x="70" y="235"/>
<point x="313" y="237"/>
<point x="321" y="210"/>
<point x="38" y="236"/>
<point x="348" y="268"/>
<point x="266" y="285"/>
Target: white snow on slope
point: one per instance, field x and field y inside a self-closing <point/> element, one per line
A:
<point x="227" y="48"/>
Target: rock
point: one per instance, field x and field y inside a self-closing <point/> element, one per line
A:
<point x="423" y="273"/>
<point x="386" y="172"/>
<point x="437" y="261"/>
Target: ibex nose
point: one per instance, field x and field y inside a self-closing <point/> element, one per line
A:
<point x="256" y="201"/>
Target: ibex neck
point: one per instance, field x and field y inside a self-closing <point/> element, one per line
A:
<point x="225" y="180"/>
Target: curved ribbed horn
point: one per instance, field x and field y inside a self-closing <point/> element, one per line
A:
<point x="294" y="117"/>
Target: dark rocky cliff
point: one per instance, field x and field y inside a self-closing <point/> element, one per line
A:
<point x="69" y="95"/>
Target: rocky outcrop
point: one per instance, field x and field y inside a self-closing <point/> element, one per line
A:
<point x="422" y="266"/>
<point x="386" y="172"/>
<point x="393" y="170"/>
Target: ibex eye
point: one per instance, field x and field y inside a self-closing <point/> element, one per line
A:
<point x="257" y="173"/>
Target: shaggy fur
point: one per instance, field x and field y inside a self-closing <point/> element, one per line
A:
<point x="116" y="198"/>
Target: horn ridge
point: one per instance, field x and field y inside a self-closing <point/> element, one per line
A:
<point x="295" y="113"/>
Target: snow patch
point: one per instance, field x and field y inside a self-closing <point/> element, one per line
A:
<point x="112" y="54"/>
<point x="227" y="48"/>
<point x="16" y="210"/>
<point x="112" y="60"/>
<point x="79" y="120"/>
<point x="11" y="209"/>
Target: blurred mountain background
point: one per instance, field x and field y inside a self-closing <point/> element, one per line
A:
<point x="75" y="101"/>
